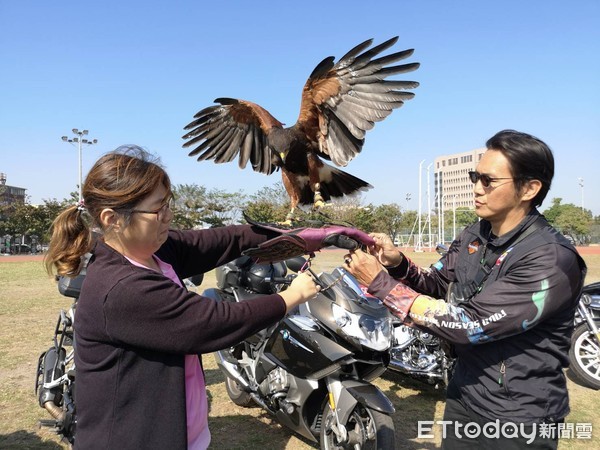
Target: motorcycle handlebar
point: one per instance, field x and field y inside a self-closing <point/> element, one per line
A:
<point x="279" y="280"/>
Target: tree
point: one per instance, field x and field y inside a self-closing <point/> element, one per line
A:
<point x="187" y="206"/>
<point x="195" y="206"/>
<point x="573" y="220"/>
<point x="464" y="217"/>
<point x="348" y="211"/>
<point x="569" y="219"/>
<point x="553" y="211"/>
<point x="388" y="219"/>
<point x="269" y="205"/>
<point x="223" y="208"/>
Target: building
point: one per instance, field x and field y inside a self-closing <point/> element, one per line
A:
<point x="10" y="194"/>
<point x="452" y="185"/>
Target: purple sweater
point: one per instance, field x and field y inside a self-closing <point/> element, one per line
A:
<point x="133" y="328"/>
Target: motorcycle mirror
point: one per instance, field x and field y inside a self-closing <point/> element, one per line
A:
<point x="442" y="249"/>
<point x="295" y="264"/>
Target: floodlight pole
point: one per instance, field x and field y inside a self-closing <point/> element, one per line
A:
<point x="581" y="185"/>
<point x="454" y="218"/>
<point x="429" y="207"/>
<point x="78" y="140"/>
<point x="420" y="237"/>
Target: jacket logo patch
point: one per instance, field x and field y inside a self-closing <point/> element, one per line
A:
<point x="502" y="256"/>
<point x="473" y="247"/>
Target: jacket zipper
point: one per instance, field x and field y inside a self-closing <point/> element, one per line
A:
<point x="502" y="377"/>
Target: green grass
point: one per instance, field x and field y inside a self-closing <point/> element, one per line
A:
<point x="29" y="306"/>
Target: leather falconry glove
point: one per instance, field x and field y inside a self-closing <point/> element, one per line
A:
<point x="301" y="241"/>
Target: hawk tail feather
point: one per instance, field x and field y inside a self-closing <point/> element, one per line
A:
<point x="335" y="183"/>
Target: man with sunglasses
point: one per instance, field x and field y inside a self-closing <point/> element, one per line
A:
<point x="504" y="295"/>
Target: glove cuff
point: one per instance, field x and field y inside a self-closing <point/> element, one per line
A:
<point x="398" y="297"/>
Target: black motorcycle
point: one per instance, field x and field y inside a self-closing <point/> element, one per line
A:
<point x="585" y="342"/>
<point x="55" y="374"/>
<point x="312" y="370"/>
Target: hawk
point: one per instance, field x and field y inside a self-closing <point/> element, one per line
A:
<point x="341" y="101"/>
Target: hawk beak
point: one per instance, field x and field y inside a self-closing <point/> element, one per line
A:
<point x="282" y="156"/>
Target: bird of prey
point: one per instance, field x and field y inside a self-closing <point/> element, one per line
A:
<point x="341" y="101"/>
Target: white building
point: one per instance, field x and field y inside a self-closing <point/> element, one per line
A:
<point x="451" y="183"/>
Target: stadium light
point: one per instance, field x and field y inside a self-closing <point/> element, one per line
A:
<point x="78" y="141"/>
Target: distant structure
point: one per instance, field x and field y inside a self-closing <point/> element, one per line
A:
<point x="10" y="194"/>
<point x="453" y="189"/>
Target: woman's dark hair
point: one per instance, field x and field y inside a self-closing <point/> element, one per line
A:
<point x="529" y="158"/>
<point x="118" y="180"/>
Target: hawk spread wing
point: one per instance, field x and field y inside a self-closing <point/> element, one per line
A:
<point x="341" y="102"/>
<point x="231" y="128"/>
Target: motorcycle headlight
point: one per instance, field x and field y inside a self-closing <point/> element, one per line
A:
<point x="374" y="333"/>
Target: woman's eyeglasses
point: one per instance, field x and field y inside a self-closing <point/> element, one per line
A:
<point x="160" y="212"/>
<point x="486" y="180"/>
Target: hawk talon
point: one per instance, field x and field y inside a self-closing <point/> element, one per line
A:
<point x="318" y="204"/>
<point x="318" y="201"/>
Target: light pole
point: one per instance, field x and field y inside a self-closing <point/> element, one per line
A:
<point x="581" y="185"/>
<point x="79" y="140"/>
<point x="443" y="224"/>
<point x="454" y="218"/>
<point x="429" y="207"/>
<point x="419" y="245"/>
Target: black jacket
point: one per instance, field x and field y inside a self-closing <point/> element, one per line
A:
<point x="512" y="338"/>
<point x="133" y="327"/>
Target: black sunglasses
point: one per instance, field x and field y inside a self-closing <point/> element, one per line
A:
<point x="486" y="180"/>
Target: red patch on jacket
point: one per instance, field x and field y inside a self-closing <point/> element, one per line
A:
<point x="473" y="247"/>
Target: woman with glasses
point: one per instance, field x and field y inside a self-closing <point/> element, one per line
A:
<point x="504" y="295"/>
<point x="139" y="332"/>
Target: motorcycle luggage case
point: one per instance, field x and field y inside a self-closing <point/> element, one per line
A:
<point x="71" y="286"/>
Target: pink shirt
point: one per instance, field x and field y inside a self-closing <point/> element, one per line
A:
<point x="198" y="434"/>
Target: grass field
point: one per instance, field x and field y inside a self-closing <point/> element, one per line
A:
<point x="29" y="306"/>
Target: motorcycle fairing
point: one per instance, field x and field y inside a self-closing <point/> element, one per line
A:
<point x="302" y="351"/>
<point x="358" y="391"/>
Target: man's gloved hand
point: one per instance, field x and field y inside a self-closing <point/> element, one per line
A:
<point x="301" y="241"/>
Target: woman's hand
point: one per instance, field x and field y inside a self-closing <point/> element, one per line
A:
<point x="363" y="266"/>
<point x="385" y="251"/>
<point x="302" y="289"/>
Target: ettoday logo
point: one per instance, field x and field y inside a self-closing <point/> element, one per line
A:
<point x="496" y="430"/>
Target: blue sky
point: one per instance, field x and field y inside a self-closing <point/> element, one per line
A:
<point x="137" y="71"/>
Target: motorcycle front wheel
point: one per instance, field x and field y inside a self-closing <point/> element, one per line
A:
<point x="585" y="355"/>
<point x="366" y="428"/>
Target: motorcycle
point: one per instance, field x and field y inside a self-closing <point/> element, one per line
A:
<point x="313" y="369"/>
<point x="584" y="354"/>
<point x="55" y="373"/>
<point x="421" y="355"/>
